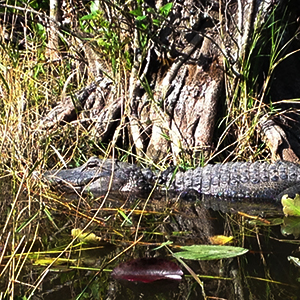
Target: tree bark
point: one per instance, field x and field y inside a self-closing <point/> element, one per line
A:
<point x="194" y="65"/>
<point x="53" y="49"/>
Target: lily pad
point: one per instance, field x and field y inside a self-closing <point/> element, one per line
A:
<point x="291" y="207"/>
<point x="209" y="252"/>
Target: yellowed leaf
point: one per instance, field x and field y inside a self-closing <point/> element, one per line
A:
<point x="291" y="207"/>
<point x="45" y="261"/>
<point x="85" y="237"/>
<point x="220" y="239"/>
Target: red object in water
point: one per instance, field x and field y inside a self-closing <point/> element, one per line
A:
<point x="147" y="270"/>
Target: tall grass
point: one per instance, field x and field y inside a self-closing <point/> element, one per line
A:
<point x="248" y="99"/>
<point x="31" y="85"/>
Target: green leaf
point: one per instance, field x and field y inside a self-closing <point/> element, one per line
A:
<point x="144" y="27"/>
<point x="151" y="10"/>
<point x="164" y="135"/>
<point x="209" y="252"/>
<point x="137" y="12"/>
<point x="27" y="222"/>
<point x="291" y="207"/>
<point x="141" y="18"/>
<point x="40" y="27"/>
<point x="88" y="17"/>
<point x="291" y="225"/>
<point x="165" y="10"/>
<point x="156" y="22"/>
<point x="124" y="217"/>
<point x="94" y="8"/>
<point x="162" y="245"/>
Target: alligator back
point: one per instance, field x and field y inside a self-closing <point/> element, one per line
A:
<point x="239" y="180"/>
<point x="230" y="180"/>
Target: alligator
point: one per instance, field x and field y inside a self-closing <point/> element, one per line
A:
<point x="234" y="181"/>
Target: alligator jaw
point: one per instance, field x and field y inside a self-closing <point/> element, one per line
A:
<point x="69" y="181"/>
<point x="78" y="179"/>
<point x="98" y="177"/>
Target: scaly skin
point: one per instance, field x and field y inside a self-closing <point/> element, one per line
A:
<point x="95" y="177"/>
<point x="241" y="180"/>
<point x="236" y="180"/>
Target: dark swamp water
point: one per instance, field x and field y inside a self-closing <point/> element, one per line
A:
<point x="121" y="230"/>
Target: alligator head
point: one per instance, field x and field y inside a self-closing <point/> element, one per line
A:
<point x="98" y="177"/>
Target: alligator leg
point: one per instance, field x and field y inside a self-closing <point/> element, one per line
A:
<point x="291" y="192"/>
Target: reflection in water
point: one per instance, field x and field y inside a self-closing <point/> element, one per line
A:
<point x="263" y="273"/>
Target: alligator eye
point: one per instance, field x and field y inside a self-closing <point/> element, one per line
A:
<point x="91" y="164"/>
<point x="141" y="183"/>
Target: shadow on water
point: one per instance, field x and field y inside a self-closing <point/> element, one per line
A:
<point x="83" y="270"/>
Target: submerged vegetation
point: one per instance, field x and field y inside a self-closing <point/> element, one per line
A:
<point x="55" y="246"/>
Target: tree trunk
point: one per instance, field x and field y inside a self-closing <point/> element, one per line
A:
<point x="53" y="49"/>
<point x="216" y="59"/>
